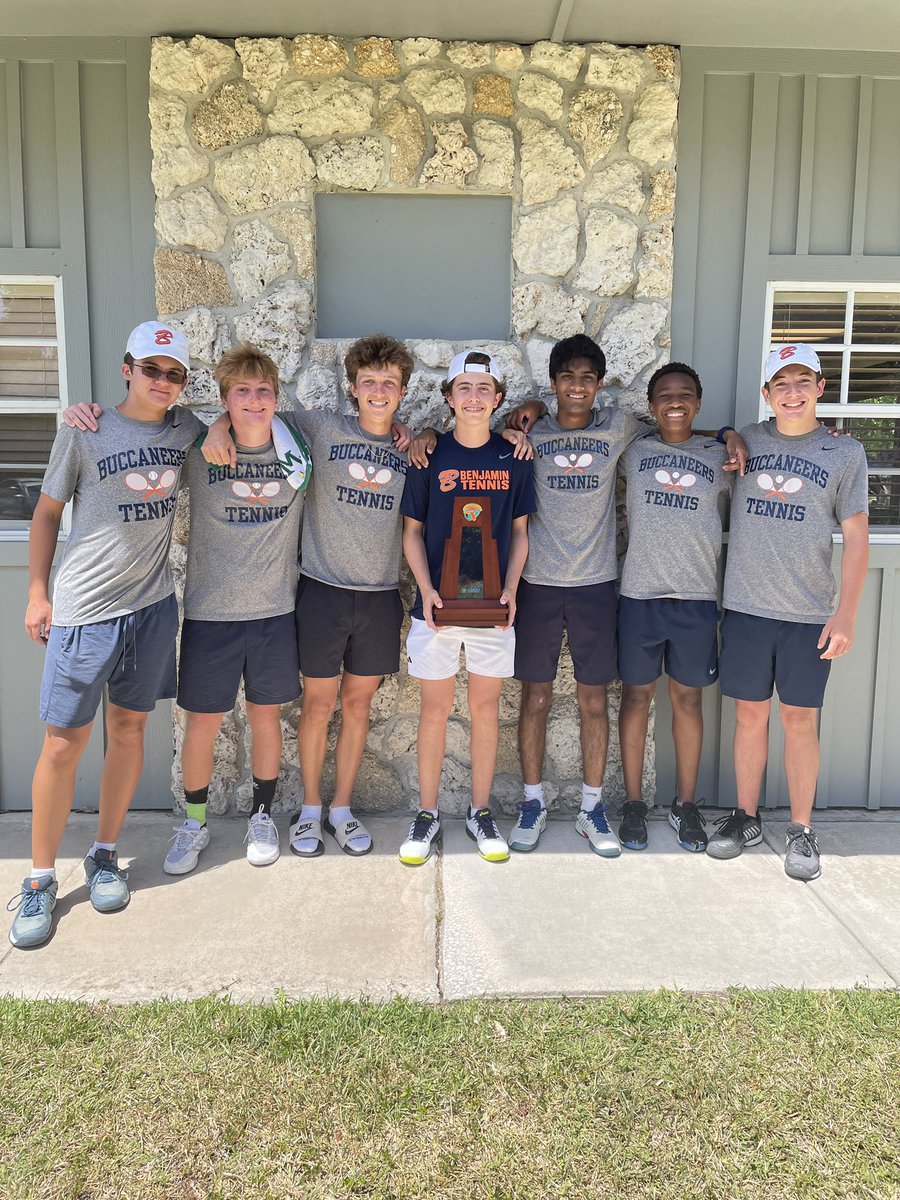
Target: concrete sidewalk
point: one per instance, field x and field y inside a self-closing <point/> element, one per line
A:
<point x="559" y="921"/>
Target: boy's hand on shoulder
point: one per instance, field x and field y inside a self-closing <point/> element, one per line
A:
<point x="508" y="597"/>
<point x="837" y="633"/>
<point x="421" y="447"/>
<point x="519" y="439"/>
<point x="402" y="435"/>
<point x="38" y="617"/>
<point x="525" y="415"/>
<point x="430" y="601"/>
<point x="737" y="452"/>
<point x="83" y="416"/>
<point x="835" y="433"/>
<point x="218" y="446"/>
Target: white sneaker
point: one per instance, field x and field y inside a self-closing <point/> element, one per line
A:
<point x="529" y="827"/>
<point x="184" y="851"/>
<point x="423" y="833"/>
<point x="262" y="840"/>
<point x="594" y="826"/>
<point x="482" y="829"/>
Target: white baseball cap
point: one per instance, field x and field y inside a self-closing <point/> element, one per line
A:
<point x="460" y="365"/>
<point x="153" y="339"/>
<point x="783" y="356"/>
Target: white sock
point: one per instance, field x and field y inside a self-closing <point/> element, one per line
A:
<point x="535" y="791"/>
<point x="590" y="797"/>
<point x="337" y="816"/>
<point x="111" y="846"/>
<point x="309" y="812"/>
<point x="43" y="873"/>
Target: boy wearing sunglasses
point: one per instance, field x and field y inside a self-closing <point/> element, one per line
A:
<point x="113" y="618"/>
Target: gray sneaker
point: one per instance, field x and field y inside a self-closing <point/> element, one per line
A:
<point x="802" y="858"/>
<point x="35" y="902"/>
<point x="184" y="851"/>
<point x="733" y="833"/>
<point x="529" y="827"/>
<point x="107" y="880"/>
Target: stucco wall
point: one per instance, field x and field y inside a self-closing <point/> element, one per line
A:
<point x="583" y="140"/>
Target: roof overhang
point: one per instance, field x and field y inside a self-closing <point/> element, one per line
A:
<point x="804" y="24"/>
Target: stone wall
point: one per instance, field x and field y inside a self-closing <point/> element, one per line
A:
<point x="583" y="140"/>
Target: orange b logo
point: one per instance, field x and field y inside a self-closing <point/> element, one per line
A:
<point x="447" y="480"/>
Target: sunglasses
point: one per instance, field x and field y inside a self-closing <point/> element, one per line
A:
<point x="152" y="372"/>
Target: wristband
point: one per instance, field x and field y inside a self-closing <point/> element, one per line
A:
<point x="720" y="436"/>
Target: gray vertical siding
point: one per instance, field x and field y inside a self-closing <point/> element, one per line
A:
<point x="75" y="200"/>
<point x="789" y="168"/>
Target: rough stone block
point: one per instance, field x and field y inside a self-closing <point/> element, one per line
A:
<point x="277" y="323"/>
<point x="186" y="281"/>
<point x="615" y="67"/>
<point x="226" y="118"/>
<point x="296" y="228"/>
<point x="319" y="57"/>
<point x="437" y="91"/>
<point x="621" y="184"/>
<point x="548" y="164"/>
<point x="469" y="56"/>
<point x="538" y="91"/>
<point x="497" y="152"/>
<point x="189" y="67"/>
<point x="335" y="106"/>
<point x="264" y="62"/>
<point x="562" y="61"/>
<point x="375" y="57"/>
<point x="257" y="257"/>
<point x="453" y="160"/>
<point x="191" y="219"/>
<point x="492" y="95"/>
<point x="546" y="242"/>
<point x="253" y="178"/>
<point x="610" y="247"/>
<point x="651" y="132"/>
<point x="404" y="127"/>
<point x="595" y="121"/>
<point x="355" y="164"/>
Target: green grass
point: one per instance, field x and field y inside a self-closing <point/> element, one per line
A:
<point x="737" y="1097"/>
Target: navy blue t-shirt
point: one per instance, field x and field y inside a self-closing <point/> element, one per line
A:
<point x="454" y="470"/>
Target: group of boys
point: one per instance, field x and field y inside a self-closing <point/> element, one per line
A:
<point x="341" y="489"/>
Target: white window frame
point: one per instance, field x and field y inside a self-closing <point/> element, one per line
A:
<point x="842" y="409"/>
<point x="25" y="404"/>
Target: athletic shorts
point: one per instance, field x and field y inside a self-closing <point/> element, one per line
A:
<point x="589" y="616"/>
<point x="134" y="655"/>
<point x="431" y="655"/>
<point x="341" y="627"/>
<point x="680" y="635"/>
<point x="216" y="654"/>
<point x="759" y="653"/>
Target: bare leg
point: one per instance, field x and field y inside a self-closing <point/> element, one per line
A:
<point x="122" y="768"/>
<point x="53" y="789"/>
<point x="533" y="709"/>
<point x="484" y="715"/>
<point x="801" y="759"/>
<point x="594" y="731"/>
<point x="265" y="725"/>
<point x="634" y="715"/>
<point x="198" y="748"/>
<point x="751" y="750"/>
<point x="319" y="699"/>
<point x="687" y="734"/>
<point x="356" y="697"/>
<point x="437" y="701"/>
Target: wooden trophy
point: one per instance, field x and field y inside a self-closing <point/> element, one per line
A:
<point x="470" y="575"/>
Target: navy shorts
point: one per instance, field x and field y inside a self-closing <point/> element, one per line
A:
<point x="215" y="654"/>
<point x="134" y="654"/>
<point x="589" y="616"/>
<point x="342" y="627"/>
<point x="759" y="653"/>
<point x="678" y="635"/>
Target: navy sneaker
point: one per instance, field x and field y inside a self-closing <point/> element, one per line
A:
<point x="633" y="829"/>
<point x="107" y="880"/>
<point x="689" y="826"/>
<point x="35" y="903"/>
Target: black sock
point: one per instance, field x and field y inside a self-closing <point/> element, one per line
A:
<point x="263" y="794"/>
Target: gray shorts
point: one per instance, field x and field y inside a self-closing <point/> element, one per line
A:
<point x="134" y="654"/>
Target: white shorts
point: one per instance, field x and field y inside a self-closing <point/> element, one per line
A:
<point x="431" y="655"/>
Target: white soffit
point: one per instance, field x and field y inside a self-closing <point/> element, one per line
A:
<point x="803" y="24"/>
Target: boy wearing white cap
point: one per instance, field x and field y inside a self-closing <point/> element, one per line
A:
<point x="780" y="627"/>
<point x="113" y="618"/>
<point x="472" y="462"/>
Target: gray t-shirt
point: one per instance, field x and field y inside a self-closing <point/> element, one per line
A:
<point x="352" y="524"/>
<point x="572" y="536"/>
<point x="245" y="537"/>
<point x="674" y="522"/>
<point x="785" y="509"/>
<point x="124" y="480"/>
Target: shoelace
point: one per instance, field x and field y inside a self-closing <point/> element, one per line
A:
<point x="732" y="823"/>
<point x="485" y="824"/>
<point x="805" y="841"/>
<point x="422" y="823"/>
<point x="633" y="810"/>
<point x="183" y="839"/>
<point x="529" y="812"/>
<point x="261" y="829"/>
<point x="597" y="818"/>
<point x="29" y="900"/>
<point x="692" y="820"/>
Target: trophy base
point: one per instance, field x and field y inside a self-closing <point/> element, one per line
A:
<point x="471" y="614"/>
